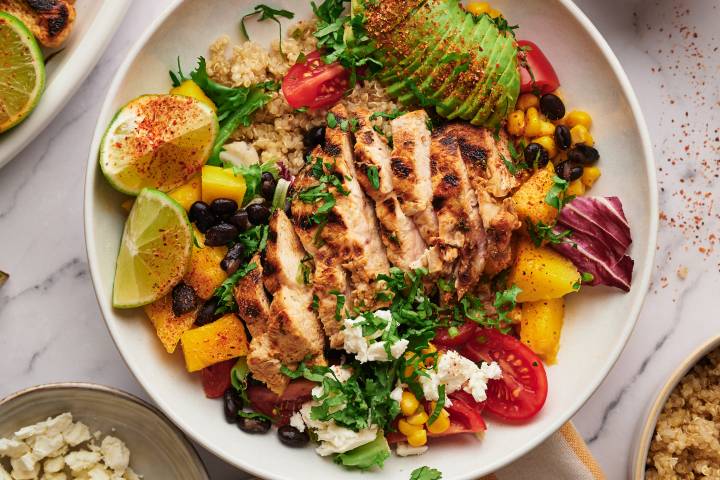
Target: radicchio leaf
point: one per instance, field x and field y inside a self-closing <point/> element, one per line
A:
<point x="600" y="238"/>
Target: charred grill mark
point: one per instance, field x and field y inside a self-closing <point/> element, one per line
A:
<point x="433" y="165"/>
<point x="366" y="137"/>
<point x="390" y="205"/>
<point x="472" y="153"/>
<point x="55" y="15"/>
<point x="451" y="180"/>
<point x="305" y="222"/>
<point x="438" y="202"/>
<point x="272" y="236"/>
<point x="332" y="149"/>
<point x="56" y="25"/>
<point x="252" y="311"/>
<point x="448" y="141"/>
<point x="399" y="168"/>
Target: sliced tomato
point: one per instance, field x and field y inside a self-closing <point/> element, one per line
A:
<point x="522" y="391"/>
<point x="315" y="84"/>
<point x="465" y="332"/>
<point x="543" y="77"/>
<point x="216" y="378"/>
<point x="280" y="408"/>
<point x="465" y="414"/>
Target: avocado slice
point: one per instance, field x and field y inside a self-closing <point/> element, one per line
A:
<point x="510" y="79"/>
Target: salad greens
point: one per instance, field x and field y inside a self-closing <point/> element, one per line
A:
<point x="366" y="456"/>
<point x="425" y="473"/>
<point x="267" y="13"/>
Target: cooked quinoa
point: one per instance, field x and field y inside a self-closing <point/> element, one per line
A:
<point x="277" y="129"/>
<point x="686" y="444"/>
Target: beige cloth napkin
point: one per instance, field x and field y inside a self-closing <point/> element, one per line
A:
<point x="563" y="456"/>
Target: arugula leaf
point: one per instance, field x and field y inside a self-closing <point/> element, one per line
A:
<point x="253" y="177"/>
<point x="374" y="176"/>
<point x="366" y="456"/>
<point x="267" y="13"/>
<point x="425" y="473"/>
<point x="540" y="233"/>
<point x="224" y="293"/>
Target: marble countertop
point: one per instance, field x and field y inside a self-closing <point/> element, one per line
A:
<point x="50" y="326"/>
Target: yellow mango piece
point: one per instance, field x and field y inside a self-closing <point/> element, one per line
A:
<point x="576" y="188"/>
<point x="215" y="342"/>
<point x="218" y="182"/>
<point x="542" y="273"/>
<point x="541" y="326"/>
<point x="590" y="176"/>
<point x="189" y="193"/>
<point x="168" y="327"/>
<point x="204" y="273"/>
<point x="188" y="88"/>
<point x="529" y="199"/>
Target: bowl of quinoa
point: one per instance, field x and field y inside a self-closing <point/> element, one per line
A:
<point x="680" y="436"/>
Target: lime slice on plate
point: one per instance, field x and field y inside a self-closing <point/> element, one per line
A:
<point x="157" y="141"/>
<point x="22" y="72"/>
<point x="154" y="251"/>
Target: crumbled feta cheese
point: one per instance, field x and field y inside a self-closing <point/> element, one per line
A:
<point x="297" y="421"/>
<point x="12" y="448"/>
<point x="25" y="467"/>
<point x="82" y="460"/>
<point x="333" y="438"/>
<point x="366" y="349"/>
<point x="131" y="475"/>
<point x="46" y="445"/>
<point x="396" y="394"/>
<point x="52" y="465"/>
<point x="115" y="454"/>
<point x="240" y="154"/>
<point x="54" y="476"/>
<point x="405" y="450"/>
<point x="4" y="475"/>
<point x="457" y="372"/>
<point x="76" y="434"/>
<point x="99" y="472"/>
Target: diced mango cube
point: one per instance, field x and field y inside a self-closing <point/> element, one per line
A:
<point x="218" y="182"/>
<point x="189" y="193"/>
<point x="542" y="273"/>
<point x="542" y="323"/>
<point x="188" y="88"/>
<point x="576" y="188"/>
<point x="529" y="199"/>
<point x="590" y="176"/>
<point x="215" y="342"/>
<point x="204" y="274"/>
<point x="168" y="327"/>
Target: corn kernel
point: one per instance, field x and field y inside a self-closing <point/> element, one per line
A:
<point x="547" y="128"/>
<point x="407" y="429"/>
<point x="578" y="117"/>
<point x="576" y="188"/>
<point x="441" y="423"/>
<point x="548" y="143"/>
<point x="417" y="439"/>
<point x="528" y="100"/>
<point x="418" y="418"/>
<point x="533" y="124"/>
<point x="478" y="8"/>
<point x="590" y="176"/>
<point x="408" y="404"/>
<point x="495" y="13"/>
<point x="580" y="134"/>
<point x="516" y="123"/>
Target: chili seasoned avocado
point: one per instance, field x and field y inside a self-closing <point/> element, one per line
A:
<point x="436" y="54"/>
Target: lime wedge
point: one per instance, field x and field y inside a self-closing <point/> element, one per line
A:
<point x="154" y="251"/>
<point x="22" y="72"/>
<point x="157" y="141"/>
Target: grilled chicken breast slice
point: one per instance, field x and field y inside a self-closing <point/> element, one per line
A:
<point x="294" y="327"/>
<point x="403" y="243"/>
<point x="263" y="362"/>
<point x="51" y="21"/>
<point x="284" y="255"/>
<point x="331" y="286"/>
<point x="252" y="301"/>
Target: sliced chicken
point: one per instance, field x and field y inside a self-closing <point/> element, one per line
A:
<point x="410" y="165"/>
<point x="284" y="255"/>
<point x="403" y="243"/>
<point x="263" y="363"/>
<point x="252" y="301"/>
<point x="331" y="287"/>
<point x="294" y="327"/>
<point x="51" y="21"/>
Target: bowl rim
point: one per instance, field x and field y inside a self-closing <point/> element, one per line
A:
<point x="642" y="279"/>
<point x="650" y="419"/>
<point x="115" y="392"/>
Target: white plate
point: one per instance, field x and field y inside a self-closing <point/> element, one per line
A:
<point x="95" y="25"/>
<point x="598" y="322"/>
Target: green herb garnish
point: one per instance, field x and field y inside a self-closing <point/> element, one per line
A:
<point x="425" y="473"/>
<point x="225" y="292"/>
<point x="373" y="176"/>
<point x="540" y="233"/>
<point x="267" y="13"/>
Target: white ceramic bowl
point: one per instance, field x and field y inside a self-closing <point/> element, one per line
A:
<point x="96" y="23"/>
<point x="598" y="322"/>
<point x="157" y="448"/>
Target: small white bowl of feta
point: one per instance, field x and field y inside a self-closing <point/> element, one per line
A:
<point x="83" y="431"/>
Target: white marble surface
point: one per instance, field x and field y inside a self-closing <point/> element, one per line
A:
<point x="50" y="326"/>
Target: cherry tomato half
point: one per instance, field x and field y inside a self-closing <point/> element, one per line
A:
<point x="546" y="80"/>
<point x="465" y="332"/>
<point x="465" y="414"/>
<point x="314" y="83"/>
<point x="216" y="378"/>
<point x="280" y="408"/>
<point x="522" y="391"/>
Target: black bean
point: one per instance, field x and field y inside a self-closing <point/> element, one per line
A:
<point x="552" y="107"/>
<point x="563" y="139"/>
<point x="223" y="207"/>
<point x="253" y="425"/>
<point x="583" y="154"/>
<point x="536" y="155"/>
<point x="202" y="216"/>
<point x="569" y="171"/>
<point x="288" y="208"/>
<point x="221" y="234"/>
<point x="258" y="214"/>
<point x="184" y="299"/>
<point x="206" y="314"/>
<point x="240" y="220"/>
<point x="233" y="258"/>
<point x="267" y="186"/>
<point x="232" y="404"/>
<point x="314" y="137"/>
<point x="292" y="437"/>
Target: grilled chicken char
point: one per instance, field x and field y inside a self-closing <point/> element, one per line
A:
<point x="51" y="21"/>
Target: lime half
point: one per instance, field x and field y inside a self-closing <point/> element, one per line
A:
<point x="157" y="141"/>
<point x="22" y="72"/>
<point x="154" y="252"/>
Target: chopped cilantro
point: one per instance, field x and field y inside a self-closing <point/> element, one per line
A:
<point x="373" y="176"/>
<point x="266" y="13"/>
<point x="253" y="415"/>
<point x="224" y="293"/>
<point x="331" y="120"/>
<point x="556" y="196"/>
<point x="513" y="168"/>
<point x="541" y="233"/>
<point x="587" y="277"/>
<point x="438" y="405"/>
<point x="425" y="473"/>
<point x="504" y="303"/>
<point x="388" y="116"/>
